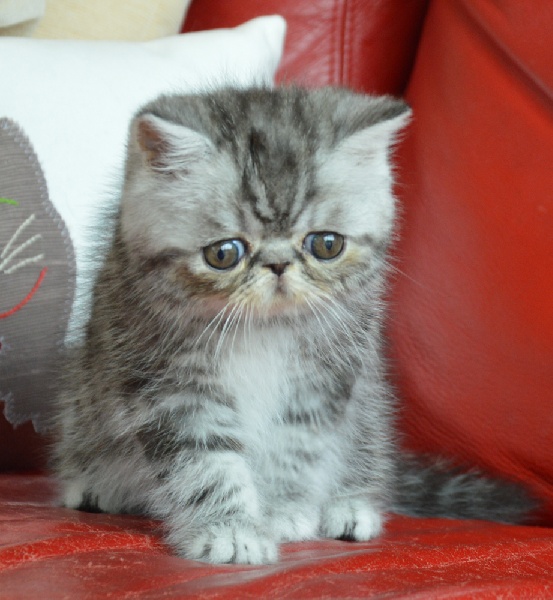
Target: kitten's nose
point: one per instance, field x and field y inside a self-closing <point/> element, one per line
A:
<point x="278" y="268"/>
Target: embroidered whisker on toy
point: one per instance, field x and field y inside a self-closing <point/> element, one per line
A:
<point x="9" y="253"/>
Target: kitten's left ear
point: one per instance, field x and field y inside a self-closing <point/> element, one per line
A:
<point x="168" y="147"/>
<point x="382" y="135"/>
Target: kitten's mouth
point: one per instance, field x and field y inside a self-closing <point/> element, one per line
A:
<point x="284" y="300"/>
<point x="283" y="294"/>
<point x="281" y="289"/>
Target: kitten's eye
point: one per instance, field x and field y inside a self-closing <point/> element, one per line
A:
<point x="325" y="245"/>
<point x="225" y="254"/>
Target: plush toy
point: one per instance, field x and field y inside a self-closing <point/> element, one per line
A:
<point x="37" y="280"/>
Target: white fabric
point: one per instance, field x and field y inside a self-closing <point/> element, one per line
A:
<point x="74" y="100"/>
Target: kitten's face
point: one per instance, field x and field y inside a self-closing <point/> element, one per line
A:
<point x="262" y="202"/>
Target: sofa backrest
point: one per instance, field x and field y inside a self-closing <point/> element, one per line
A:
<point x="472" y="326"/>
<point x="367" y="45"/>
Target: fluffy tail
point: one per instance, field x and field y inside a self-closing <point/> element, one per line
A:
<point x="436" y="489"/>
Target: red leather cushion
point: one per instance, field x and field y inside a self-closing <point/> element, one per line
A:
<point x="368" y="45"/>
<point x="50" y="552"/>
<point x="472" y="327"/>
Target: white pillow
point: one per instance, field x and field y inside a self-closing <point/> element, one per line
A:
<point x="74" y="100"/>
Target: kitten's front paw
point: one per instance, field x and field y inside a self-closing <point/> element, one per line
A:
<point x="226" y="543"/>
<point x="291" y="524"/>
<point x="352" y="519"/>
<point x="77" y="496"/>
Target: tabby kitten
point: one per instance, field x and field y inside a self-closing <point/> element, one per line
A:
<point x="231" y="382"/>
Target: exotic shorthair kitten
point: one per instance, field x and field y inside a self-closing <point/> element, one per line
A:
<point x="231" y="381"/>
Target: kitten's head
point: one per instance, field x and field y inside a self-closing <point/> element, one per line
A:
<point x="267" y="199"/>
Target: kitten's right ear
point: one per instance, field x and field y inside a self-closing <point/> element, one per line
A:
<point x="167" y="147"/>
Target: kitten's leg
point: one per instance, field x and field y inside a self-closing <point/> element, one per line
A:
<point x="206" y="492"/>
<point x="300" y="475"/>
<point x="92" y="463"/>
<point x="303" y="506"/>
<point x="328" y="475"/>
<point x="217" y="517"/>
<point x="355" y="510"/>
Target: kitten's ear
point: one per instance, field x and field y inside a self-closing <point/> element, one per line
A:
<point x="380" y="136"/>
<point x="167" y="147"/>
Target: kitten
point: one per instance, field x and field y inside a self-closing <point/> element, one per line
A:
<point x="232" y="381"/>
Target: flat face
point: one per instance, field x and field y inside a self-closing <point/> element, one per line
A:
<point x="268" y="201"/>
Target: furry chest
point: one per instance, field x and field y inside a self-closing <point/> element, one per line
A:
<point x="257" y="371"/>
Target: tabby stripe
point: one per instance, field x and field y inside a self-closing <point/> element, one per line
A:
<point x="201" y="496"/>
<point x="214" y="443"/>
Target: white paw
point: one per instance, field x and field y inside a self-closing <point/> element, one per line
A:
<point x="226" y="543"/>
<point x="73" y="493"/>
<point x="292" y="525"/>
<point x="351" y="519"/>
<point x="77" y="496"/>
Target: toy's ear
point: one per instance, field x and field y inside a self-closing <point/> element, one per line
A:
<point x="167" y="147"/>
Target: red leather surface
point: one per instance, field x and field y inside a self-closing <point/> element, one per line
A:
<point x="472" y="327"/>
<point x="368" y="45"/>
<point x="50" y="552"/>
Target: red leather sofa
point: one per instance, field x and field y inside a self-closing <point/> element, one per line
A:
<point x="470" y="328"/>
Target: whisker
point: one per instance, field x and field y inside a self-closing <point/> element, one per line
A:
<point x="213" y="323"/>
<point x="354" y="333"/>
<point x="248" y="327"/>
<point x="317" y="314"/>
<point x="366" y="338"/>
<point x="250" y="319"/>
<point x="17" y="233"/>
<point x="224" y="332"/>
<point x="21" y="263"/>
<point x="240" y="313"/>
<point x="333" y="312"/>
<point x="391" y="267"/>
